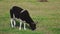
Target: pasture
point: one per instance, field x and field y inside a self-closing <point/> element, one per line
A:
<point x="46" y="13"/>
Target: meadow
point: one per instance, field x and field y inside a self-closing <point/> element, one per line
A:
<point x="47" y="14"/>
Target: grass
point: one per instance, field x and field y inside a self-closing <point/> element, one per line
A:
<point x="46" y="13"/>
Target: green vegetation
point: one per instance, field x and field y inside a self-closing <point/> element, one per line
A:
<point x="46" y="13"/>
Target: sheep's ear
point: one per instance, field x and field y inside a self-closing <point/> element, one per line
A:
<point x="36" y="22"/>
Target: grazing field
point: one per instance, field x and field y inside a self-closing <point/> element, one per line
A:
<point x="46" y="13"/>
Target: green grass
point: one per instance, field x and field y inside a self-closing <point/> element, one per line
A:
<point x="46" y="13"/>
